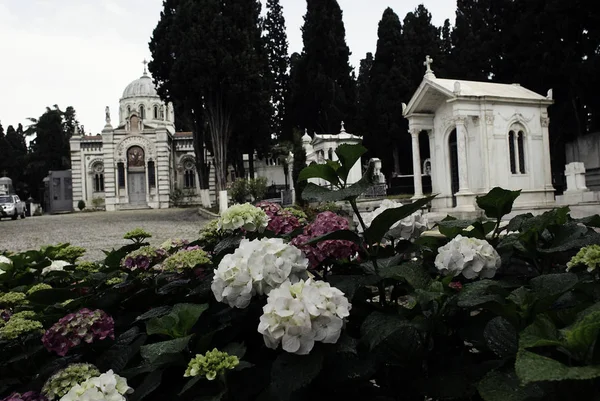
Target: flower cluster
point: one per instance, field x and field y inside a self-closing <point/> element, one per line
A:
<point x="281" y="221"/>
<point x="142" y="258"/>
<point x="299" y="214"/>
<point x="89" y="267"/>
<point x="245" y="216"/>
<point x="297" y="315"/>
<point x="256" y="267"/>
<point x="325" y="223"/>
<point x="28" y="396"/>
<point x="18" y="324"/>
<point x="107" y="386"/>
<point x="185" y="260"/>
<point x="211" y="364"/>
<point x="39" y="287"/>
<point x="115" y="280"/>
<point x="211" y="234"/>
<point x="11" y="299"/>
<point x="173" y="244"/>
<point x="62" y="381"/>
<point x="588" y="256"/>
<point x="408" y="228"/>
<point x="85" y="325"/>
<point x="137" y="235"/>
<point x="55" y="266"/>
<point x="470" y="256"/>
<point x="69" y="253"/>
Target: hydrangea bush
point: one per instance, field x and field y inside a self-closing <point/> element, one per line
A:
<point x="491" y="309"/>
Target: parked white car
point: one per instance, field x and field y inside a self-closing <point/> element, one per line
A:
<point x="11" y="206"/>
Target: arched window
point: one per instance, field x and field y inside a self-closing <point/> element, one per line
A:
<point x="516" y="147"/>
<point x="128" y="111"/>
<point x="98" y="171"/>
<point x="155" y="112"/>
<point x="189" y="174"/>
<point x="142" y="112"/>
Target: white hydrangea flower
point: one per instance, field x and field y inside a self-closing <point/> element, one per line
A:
<point x="57" y="265"/>
<point x="4" y="261"/>
<point x="256" y="267"/>
<point x="470" y="256"/>
<point x="107" y="387"/>
<point x="297" y="315"/>
<point x="246" y="216"/>
<point x="409" y="227"/>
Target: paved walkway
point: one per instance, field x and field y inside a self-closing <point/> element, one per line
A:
<point x="98" y="230"/>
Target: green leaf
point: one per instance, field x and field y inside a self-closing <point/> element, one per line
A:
<point x="178" y="323"/>
<point x="451" y="228"/>
<point x="150" y="383"/>
<point x="394" y="339"/>
<point x="498" y="386"/>
<point x="501" y="337"/>
<point x="314" y="192"/>
<point x="349" y="284"/>
<point x="346" y="235"/>
<point x="582" y="335"/>
<point x="516" y="223"/>
<point x="498" y="202"/>
<point x="348" y="155"/>
<point x="152" y="352"/>
<point x="480" y="292"/>
<point x="548" y="285"/>
<point x="323" y="171"/>
<point x="236" y="349"/>
<point x="541" y="333"/>
<point x="590" y="221"/>
<point x="51" y="296"/>
<point x="383" y="222"/>
<point x="292" y="372"/>
<point x="155" y="312"/>
<point x="190" y="383"/>
<point x="411" y="272"/>
<point x="532" y="367"/>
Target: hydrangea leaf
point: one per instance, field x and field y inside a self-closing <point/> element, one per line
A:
<point x="323" y="171"/>
<point x="150" y="383"/>
<point x="414" y="274"/>
<point x="313" y="192"/>
<point x="501" y="337"/>
<point x="581" y="336"/>
<point x="451" y="228"/>
<point x="531" y="367"/>
<point x="348" y="155"/>
<point x="178" y="322"/>
<point x="383" y="222"/>
<point x="499" y="386"/>
<point x="155" y="312"/>
<point x="391" y="337"/>
<point x="498" y="202"/>
<point x="292" y="372"/>
<point x="541" y="333"/>
<point x="337" y="235"/>
<point x="152" y="352"/>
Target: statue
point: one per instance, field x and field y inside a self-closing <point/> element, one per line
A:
<point x="107" y="111"/>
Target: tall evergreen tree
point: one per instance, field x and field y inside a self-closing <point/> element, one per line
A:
<point x="363" y="95"/>
<point x="387" y="129"/>
<point x="277" y="51"/>
<point x="324" y="85"/>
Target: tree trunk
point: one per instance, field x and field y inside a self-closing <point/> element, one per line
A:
<point x="251" y="163"/>
<point x="219" y="121"/>
<point x="201" y="165"/>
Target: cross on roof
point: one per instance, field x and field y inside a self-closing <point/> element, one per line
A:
<point x="4" y="173"/>
<point x="145" y="64"/>
<point x="427" y="63"/>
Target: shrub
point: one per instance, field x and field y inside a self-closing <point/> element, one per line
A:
<point x="97" y="203"/>
<point x="81" y="205"/>
<point x="258" y="188"/>
<point x="239" y="191"/>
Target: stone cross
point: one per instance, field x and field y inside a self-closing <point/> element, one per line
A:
<point x="145" y="64"/>
<point x="427" y="63"/>
<point x="4" y="173"/>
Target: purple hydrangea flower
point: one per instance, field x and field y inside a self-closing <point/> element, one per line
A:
<point x="85" y="325"/>
<point x="281" y="221"/>
<point x="325" y="223"/>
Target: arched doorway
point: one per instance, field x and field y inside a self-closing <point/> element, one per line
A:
<point x="453" y="152"/>
<point x="136" y="175"/>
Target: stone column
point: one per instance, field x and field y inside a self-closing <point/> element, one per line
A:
<point x="77" y="160"/>
<point x="111" y="186"/>
<point x="461" y="148"/>
<point x="162" y="168"/>
<point x="545" y="122"/>
<point x="416" y="156"/>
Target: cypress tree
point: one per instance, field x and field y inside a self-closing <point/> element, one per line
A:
<point x="363" y="95"/>
<point x="386" y="127"/>
<point x="276" y="45"/>
<point x="327" y="96"/>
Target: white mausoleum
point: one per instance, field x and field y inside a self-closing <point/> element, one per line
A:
<point x="481" y="135"/>
<point x="139" y="161"/>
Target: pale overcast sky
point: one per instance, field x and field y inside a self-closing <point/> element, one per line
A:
<point x="83" y="53"/>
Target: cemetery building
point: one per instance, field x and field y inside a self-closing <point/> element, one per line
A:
<point x="138" y="159"/>
<point x="481" y="135"/>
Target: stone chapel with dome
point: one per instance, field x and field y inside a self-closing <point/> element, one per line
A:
<point x="138" y="160"/>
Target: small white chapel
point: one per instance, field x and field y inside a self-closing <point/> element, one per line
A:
<point x="481" y="135"/>
<point x="137" y="162"/>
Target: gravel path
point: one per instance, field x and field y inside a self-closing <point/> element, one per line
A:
<point x="99" y="230"/>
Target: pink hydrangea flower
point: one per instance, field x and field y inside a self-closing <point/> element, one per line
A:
<point x="280" y="221"/>
<point x="325" y="223"/>
<point x="28" y="396"/>
<point x="85" y="325"/>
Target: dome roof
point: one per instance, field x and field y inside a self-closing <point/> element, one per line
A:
<point x="140" y="87"/>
